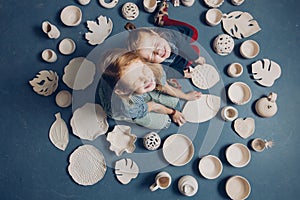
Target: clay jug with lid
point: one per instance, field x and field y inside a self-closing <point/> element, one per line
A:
<point x="266" y="106"/>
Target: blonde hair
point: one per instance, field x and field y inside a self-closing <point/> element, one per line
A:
<point x="135" y="36"/>
<point x="117" y="67"/>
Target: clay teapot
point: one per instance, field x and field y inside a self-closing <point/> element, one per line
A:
<point x="266" y="106"/>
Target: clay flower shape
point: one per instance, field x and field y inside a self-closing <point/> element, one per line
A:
<point x="121" y="140"/>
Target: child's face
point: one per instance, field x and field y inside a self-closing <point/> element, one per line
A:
<point x="154" y="48"/>
<point x="138" y="78"/>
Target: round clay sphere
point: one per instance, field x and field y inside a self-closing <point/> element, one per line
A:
<point x="152" y="141"/>
<point x="63" y="99"/>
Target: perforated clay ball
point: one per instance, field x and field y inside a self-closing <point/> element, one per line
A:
<point x="223" y="44"/>
<point x="152" y="141"/>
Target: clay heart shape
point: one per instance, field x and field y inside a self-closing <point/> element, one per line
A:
<point x="244" y="127"/>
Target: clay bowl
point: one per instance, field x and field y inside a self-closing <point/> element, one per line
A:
<point x="239" y="93"/>
<point x="71" y="15"/>
<point x="249" y="49"/>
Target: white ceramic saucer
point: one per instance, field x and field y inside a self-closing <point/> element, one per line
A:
<point x="210" y="167"/>
<point x="238" y="187"/>
<point x="178" y="149"/>
<point x="238" y="155"/>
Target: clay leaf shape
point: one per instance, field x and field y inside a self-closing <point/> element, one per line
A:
<point x="244" y="127"/>
<point x="125" y="170"/>
<point x="59" y="134"/>
<point x="240" y="24"/>
<point x="45" y="83"/>
<point x="98" y="32"/>
<point x="265" y="72"/>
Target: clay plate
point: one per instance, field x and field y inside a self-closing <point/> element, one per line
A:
<point x="178" y="149"/>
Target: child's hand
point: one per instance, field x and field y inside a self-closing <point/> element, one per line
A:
<point x="200" y="60"/>
<point x="193" y="95"/>
<point x="178" y="118"/>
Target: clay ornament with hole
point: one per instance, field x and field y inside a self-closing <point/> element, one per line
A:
<point x="126" y="170"/>
<point x="71" y="15"/>
<point x="244" y="127"/>
<point x="130" y="11"/>
<point x="266" y="106"/>
<point x="152" y="141"/>
<point x="45" y="83"/>
<point x="265" y="72"/>
<point x="121" y="139"/>
<point x="223" y="44"/>
<point x="240" y="24"/>
<point x="99" y="31"/>
<point x="202" y="109"/>
<point x="51" y="30"/>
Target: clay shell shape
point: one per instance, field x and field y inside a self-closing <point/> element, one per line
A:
<point x="49" y="55"/>
<point x="71" y="15"/>
<point x="67" y="46"/>
<point x="239" y="93"/>
<point x="121" y="140"/>
<point x="130" y="11"/>
<point x="249" y="49"/>
<point x="210" y="167"/>
<point x="238" y="155"/>
<point x="89" y="121"/>
<point x="178" y="149"/>
<point x="238" y="188"/>
<point x="87" y="165"/>
<point x="51" y="30"/>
